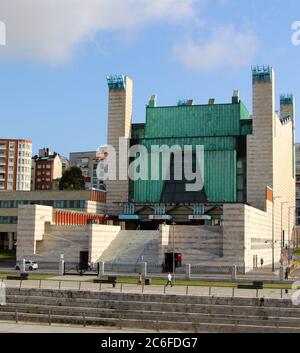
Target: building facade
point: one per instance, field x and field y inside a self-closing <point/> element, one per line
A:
<point x="47" y="170"/>
<point x="79" y="201"/>
<point x="88" y="163"/>
<point x="249" y="173"/>
<point x="242" y="215"/>
<point x="15" y="164"/>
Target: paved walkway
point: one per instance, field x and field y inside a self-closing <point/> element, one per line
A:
<point x="152" y="289"/>
<point x="8" y="327"/>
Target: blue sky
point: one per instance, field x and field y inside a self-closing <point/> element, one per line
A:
<point x="58" y="53"/>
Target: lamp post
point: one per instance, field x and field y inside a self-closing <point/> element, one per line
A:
<point x="282" y="238"/>
<point x="173" y="251"/>
<point x="289" y="235"/>
<point x="273" y="232"/>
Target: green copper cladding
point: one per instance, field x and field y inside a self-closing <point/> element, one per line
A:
<point x="218" y="127"/>
<point x="195" y="120"/>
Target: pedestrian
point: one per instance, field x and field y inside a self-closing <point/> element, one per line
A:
<point x="169" y="281"/>
<point x="140" y="279"/>
<point x="262" y="262"/>
<point x="287" y="273"/>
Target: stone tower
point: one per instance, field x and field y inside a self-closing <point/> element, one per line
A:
<point x="260" y="143"/>
<point x="119" y="126"/>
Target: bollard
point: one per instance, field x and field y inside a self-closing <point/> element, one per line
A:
<point x="143" y="288"/>
<point x="17" y="316"/>
<point x="59" y="285"/>
<point x="157" y="326"/>
<point x="49" y="317"/>
<point x="233" y="291"/>
<point x="100" y="287"/>
<point x="84" y="320"/>
<point x="257" y="293"/>
<point x="121" y="288"/>
<point x="20" y="284"/>
<point x="79" y="287"/>
<point x="165" y="289"/>
<point x="120" y="322"/>
<point x="209" y="292"/>
<point x="281" y="293"/>
<point x="40" y="284"/>
<point x="188" y="272"/>
<point x="234" y="273"/>
<point x="187" y="290"/>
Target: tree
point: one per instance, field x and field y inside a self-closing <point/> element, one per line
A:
<point x="72" y="179"/>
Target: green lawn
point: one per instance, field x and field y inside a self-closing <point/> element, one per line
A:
<point x="157" y="281"/>
<point x="7" y="255"/>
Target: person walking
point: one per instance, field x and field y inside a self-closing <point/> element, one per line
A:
<point x="140" y="279"/>
<point x="287" y="273"/>
<point x="261" y="262"/>
<point x="169" y="281"/>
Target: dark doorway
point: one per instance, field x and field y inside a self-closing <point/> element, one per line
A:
<point x="168" y="266"/>
<point x="84" y="260"/>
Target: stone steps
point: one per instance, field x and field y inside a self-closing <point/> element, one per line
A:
<point x="97" y="313"/>
<point x="187" y="313"/>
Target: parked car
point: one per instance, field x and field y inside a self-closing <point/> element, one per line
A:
<point x="29" y="265"/>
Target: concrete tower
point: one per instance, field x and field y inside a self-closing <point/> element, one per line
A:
<point x="260" y="143"/>
<point x="119" y="125"/>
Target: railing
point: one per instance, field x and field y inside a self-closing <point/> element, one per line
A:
<point x="181" y="290"/>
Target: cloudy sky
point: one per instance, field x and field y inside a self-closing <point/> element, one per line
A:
<point x="58" y="52"/>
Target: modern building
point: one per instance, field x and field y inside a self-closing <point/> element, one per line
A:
<point x="241" y="213"/>
<point x="75" y="201"/>
<point x="88" y="163"/>
<point x="298" y="184"/>
<point x="15" y="164"/>
<point x="47" y="170"/>
<point x="249" y="174"/>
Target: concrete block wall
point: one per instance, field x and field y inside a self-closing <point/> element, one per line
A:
<point x="197" y="244"/>
<point x="31" y="228"/>
<point x="67" y="240"/>
<point x="260" y="143"/>
<point x="270" y="159"/>
<point x="100" y="238"/>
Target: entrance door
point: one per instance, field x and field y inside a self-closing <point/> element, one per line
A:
<point x="84" y="260"/>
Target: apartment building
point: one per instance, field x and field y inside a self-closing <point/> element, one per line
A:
<point x="47" y="168"/>
<point x="88" y="163"/>
<point x="15" y="164"/>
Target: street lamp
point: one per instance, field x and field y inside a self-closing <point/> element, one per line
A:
<point x="282" y="237"/>
<point x="289" y="235"/>
<point x="273" y="235"/>
<point x="173" y="251"/>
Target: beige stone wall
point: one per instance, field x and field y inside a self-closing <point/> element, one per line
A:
<point x="270" y="160"/>
<point x="95" y="207"/>
<point x="100" y="237"/>
<point x="57" y="168"/>
<point x="197" y="244"/>
<point x="31" y="228"/>
<point x="284" y="178"/>
<point x="260" y="143"/>
<point x="119" y="125"/>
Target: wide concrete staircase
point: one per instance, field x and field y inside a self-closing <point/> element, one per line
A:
<point x="198" y="244"/>
<point x="130" y="247"/>
<point x="153" y="312"/>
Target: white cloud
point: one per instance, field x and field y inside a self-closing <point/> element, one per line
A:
<point x="50" y="30"/>
<point x="227" y="48"/>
